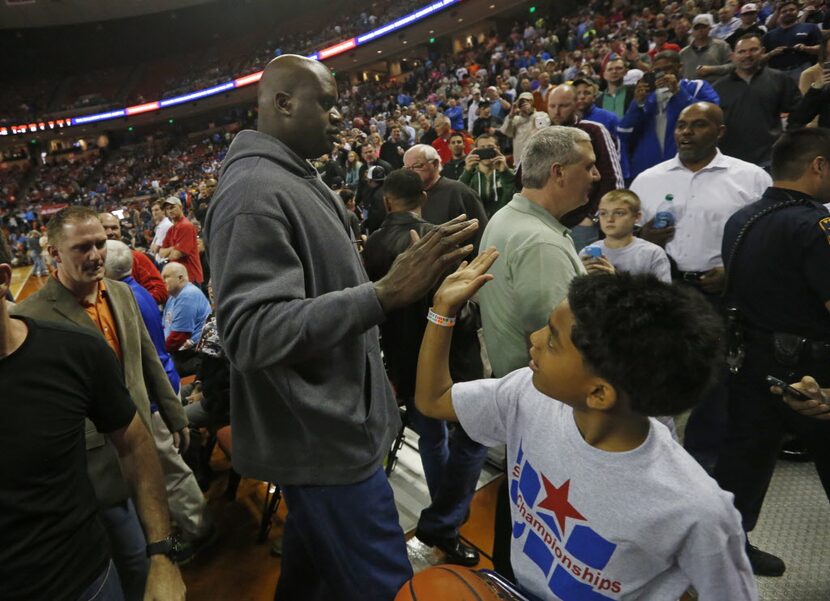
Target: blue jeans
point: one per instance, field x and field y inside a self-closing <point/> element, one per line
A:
<point x="342" y="542"/>
<point x="106" y="587"/>
<point x="129" y="548"/>
<point x="452" y="465"/>
<point x="38" y="267"/>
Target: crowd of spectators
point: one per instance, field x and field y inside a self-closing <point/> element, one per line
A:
<point x="604" y="50"/>
<point x="205" y="67"/>
<point x="62" y="180"/>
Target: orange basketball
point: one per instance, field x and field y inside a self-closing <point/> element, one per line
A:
<point x="447" y="583"/>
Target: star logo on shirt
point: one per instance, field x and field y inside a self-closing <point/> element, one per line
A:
<point x="557" y="502"/>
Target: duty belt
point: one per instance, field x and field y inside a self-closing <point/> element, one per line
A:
<point x="790" y="349"/>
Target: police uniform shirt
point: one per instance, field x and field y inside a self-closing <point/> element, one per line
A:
<point x="780" y="279"/>
<point x="703" y="201"/>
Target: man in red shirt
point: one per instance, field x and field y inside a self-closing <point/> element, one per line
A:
<point x="144" y="271"/>
<point x="180" y="243"/>
<point x="442" y="143"/>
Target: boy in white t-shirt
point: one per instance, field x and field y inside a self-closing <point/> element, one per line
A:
<point x="619" y="211"/>
<point x="605" y="505"/>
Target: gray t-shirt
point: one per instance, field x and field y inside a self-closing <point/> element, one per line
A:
<point x="591" y="524"/>
<point x="640" y="256"/>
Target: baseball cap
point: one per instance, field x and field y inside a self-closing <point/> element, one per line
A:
<point x="632" y="77"/>
<point x="525" y="96"/>
<point x="584" y="79"/>
<point x="705" y="19"/>
<point x="171" y="200"/>
<point x="376" y="173"/>
<point x="749" y="8"/>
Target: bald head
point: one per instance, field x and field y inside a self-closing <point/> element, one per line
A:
<point x="111" y="226"/>
<point x="424" y="160"/>
<point x="562" y="105"/>
<point x="705" y="110"/>
<point x="297" y="100"/>
<point x="175" y="277"/>
<point x="698" y="130"/>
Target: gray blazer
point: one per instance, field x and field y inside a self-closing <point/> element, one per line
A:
<point x="143" y="374"/>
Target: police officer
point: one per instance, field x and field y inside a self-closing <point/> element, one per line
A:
<point x="777" y="256"/>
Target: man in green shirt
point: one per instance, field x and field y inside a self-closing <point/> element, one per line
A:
<point x="537" y="257"/>
<point x="616" y="96"/>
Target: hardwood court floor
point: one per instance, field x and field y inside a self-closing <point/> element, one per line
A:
<point x="239" y="569"/>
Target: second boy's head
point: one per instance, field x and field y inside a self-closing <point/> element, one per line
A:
<point x="627" y="343"/>
<point x="618" y="212"/>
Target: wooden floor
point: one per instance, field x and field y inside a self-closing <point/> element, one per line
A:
<point x="239" y="569"/>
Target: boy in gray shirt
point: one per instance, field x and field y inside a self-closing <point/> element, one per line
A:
<point x="605" y="505"/>
<point x="619" y="211"/>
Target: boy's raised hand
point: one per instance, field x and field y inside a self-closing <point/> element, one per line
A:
<point x="458" y="287"/>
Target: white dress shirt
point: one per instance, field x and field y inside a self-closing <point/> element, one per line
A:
<point x="703" y="202"/>
<point x="161" y="232"/>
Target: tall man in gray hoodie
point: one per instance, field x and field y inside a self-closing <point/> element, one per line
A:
<point x="311" y="407"/>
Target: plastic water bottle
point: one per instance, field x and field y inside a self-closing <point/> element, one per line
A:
<point x="665" y="213"/>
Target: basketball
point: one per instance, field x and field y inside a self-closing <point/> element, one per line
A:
<point x="447" y="583"/>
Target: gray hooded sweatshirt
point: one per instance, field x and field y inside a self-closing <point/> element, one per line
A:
<point x="310" y="401"/>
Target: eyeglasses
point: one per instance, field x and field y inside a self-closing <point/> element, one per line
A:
<point x="417" y="166"/>
<point x="617" y="213"/>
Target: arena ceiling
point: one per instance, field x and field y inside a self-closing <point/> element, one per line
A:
<point x="21" y="14"/>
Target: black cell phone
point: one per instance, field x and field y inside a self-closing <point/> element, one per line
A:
<point x="796" y="394"/>
<point x="485" y="153"/>
<point x="826" y="66"/>
<point x="650" y="80"/>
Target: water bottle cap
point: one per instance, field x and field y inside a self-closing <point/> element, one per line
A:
<point x="669" y="196"/>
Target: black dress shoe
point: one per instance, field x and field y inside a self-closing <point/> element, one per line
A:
<point x="794" y="450"/>
<point x="456" y="552"/>
<point x="763" y="563"/>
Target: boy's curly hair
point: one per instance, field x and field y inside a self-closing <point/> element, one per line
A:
<point x="660" y="345"/>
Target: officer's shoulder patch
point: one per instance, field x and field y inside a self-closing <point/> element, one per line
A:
<point x="824" y="224"/>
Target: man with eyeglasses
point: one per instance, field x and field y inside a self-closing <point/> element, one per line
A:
<point x="446" y="198"/>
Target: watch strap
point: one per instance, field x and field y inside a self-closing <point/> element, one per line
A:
<point x="162" y="547"/>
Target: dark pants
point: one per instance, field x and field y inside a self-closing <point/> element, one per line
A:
<point x="503" y="532"/>
<point x="758" y="421"/>
<point x="129" y="548"/>
<point x="342" y="542"/>
<point x="452" y="464"/>
<point x="706" y="428"/>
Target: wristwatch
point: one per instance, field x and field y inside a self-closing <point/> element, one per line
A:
<point x="163" y="547"/>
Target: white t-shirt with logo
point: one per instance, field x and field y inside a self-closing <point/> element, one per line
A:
<point x="592" y="524"/>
